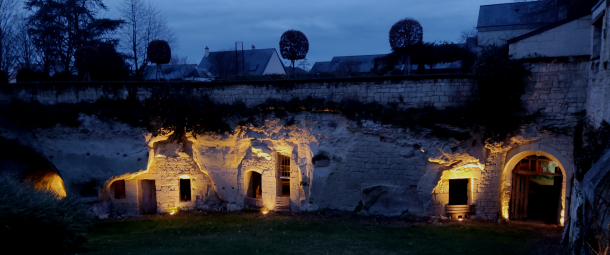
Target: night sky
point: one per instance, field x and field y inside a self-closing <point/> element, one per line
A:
<point x="333" y="28"/>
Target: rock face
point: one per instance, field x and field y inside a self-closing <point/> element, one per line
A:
<point x="365" y="167"/>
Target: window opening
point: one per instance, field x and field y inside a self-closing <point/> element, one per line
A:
<point x="284" y="164"/>
<point x="119" y="189"/>
<point x="185" y="190"/>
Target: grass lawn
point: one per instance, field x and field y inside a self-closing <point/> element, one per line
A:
<point x="314" y="233"/>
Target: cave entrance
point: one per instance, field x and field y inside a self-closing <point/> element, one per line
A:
<point x="45" y="179"/>
<point x="536" y="190"/>
<point x="148" y="197"/>
<point x="458" y="206"/>
<point x="254" y="190"/>
<point x="458" y="192"/>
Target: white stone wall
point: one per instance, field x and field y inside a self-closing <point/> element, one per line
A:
<point x="167" y="172"/>
<point x="570" y="39"/>
<point x="412" y="92"/>
<point x="557" y="89"/>
<point x="598" y="91"/>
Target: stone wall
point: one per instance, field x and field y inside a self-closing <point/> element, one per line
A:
<point x="598" y="92"/>
<point x="167" y="168"/>
<point x="557" y="89"/>
<point x="440" y="91"/>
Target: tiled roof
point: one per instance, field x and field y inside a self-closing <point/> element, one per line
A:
<point x="169" y="71"/>
<point x="254" y="61"/>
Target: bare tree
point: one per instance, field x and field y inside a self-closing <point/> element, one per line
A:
<point x="465" y="34"/>
<point x="11" y="19"/>
<point x="293" y="46"/>
<point x="405" y="35"/>
<point x="144" y="24"/>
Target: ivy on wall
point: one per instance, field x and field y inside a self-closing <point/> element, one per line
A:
<point x="590" y="144"/>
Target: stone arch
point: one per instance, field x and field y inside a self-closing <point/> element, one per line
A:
<point x="515" y="155"/>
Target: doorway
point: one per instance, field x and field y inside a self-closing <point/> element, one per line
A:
<point x="255" y="188"/>
<point x="458" y="192"/>
<point x="536" y="190"/>
<point x="148" y="197"/>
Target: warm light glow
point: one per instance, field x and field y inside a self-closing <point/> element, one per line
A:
<point x="173" y="211"/>
<point x="460" y="219"/>
<point x="184" y="177"/>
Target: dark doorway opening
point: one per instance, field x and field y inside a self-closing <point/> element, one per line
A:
<point x="536" y="190"/>
<point x="185" y="190"/>
<point x="458" y="192"/>
<point x="148" y="197"/>
<point x="118" y="187"/>
<point x="255" y="188"/>
<point x="285" y="187"/>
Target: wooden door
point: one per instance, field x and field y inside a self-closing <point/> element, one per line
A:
<point x="148" y="200"/>
<point x="519" y="196"/>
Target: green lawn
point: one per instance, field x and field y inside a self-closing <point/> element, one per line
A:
<point x="312" y="233"/>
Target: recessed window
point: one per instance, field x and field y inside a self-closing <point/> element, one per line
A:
<point x="119" y="189"/>
<point x="284" y="165"/>
<point x="185" y="190"/>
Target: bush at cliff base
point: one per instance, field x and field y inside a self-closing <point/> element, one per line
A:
<point x="33" y="220"/>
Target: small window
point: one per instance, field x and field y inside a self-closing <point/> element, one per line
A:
<point x="284" y="165"/>
<point x="185" y="190"/>
<point x="119" y="189"/>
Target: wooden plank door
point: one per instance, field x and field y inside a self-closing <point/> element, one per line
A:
<point x="519" y="197"/>
<point x="148" y="203"/>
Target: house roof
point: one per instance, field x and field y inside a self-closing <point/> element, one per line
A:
<point x="359" y="63"/>
<point x="169" y="71"/>
<point x="320" y="67"/>
<point x="297" y="70"/>
<point x="364" y="63"/>
<point x="523" y="14"/>
<point x="545" y="28"/>
<point x="255" y="61"/>
<point x="200" y="73"/>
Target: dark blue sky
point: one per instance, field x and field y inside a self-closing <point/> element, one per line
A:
<point x="333" y="27"/>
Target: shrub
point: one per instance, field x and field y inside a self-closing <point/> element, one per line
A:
<point x="3" y="77"/>
<point x="35" y="220"/>
<point x="29" y="75"/>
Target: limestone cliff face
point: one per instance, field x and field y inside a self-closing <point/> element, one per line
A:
<point x="94" y="151"/>
<point x="333" y="163"/>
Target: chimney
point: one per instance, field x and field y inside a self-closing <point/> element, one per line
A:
<point x="207" y="51"/>
<point x="253" y="47"/>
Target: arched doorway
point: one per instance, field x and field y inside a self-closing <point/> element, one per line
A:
<point x="545" y="170"/>
<point x="536" y="190"/>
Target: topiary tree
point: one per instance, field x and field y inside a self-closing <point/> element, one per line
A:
<point x="159" y="53"/>
<point x="293" y="46"/>
<point x="405" y="36"/>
